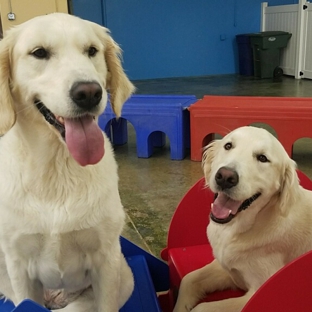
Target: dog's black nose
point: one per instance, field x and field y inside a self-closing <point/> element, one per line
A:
<point x="226" y="178"/>
<point x="86" y="95"/>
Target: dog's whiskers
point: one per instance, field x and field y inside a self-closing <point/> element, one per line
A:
<point x="228" y="130"/>
<point x="23" y="110"/>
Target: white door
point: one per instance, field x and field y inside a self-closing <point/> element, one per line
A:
<point x="307" y="47"/>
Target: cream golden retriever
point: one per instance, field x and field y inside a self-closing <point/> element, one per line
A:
<point x="260" y="220"/>
<point x="61" y="214"/>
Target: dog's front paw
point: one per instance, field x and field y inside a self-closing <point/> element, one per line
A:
<point x="59" y="298"/>
<point x="55" y="299"/>
<point x="183" y="307"/>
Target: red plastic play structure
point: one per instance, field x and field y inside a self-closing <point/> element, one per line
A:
<point x="291" y="118"/>
<point x="188" y="249"/>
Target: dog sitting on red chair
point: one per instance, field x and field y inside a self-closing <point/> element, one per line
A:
<point x="260" y="220"/>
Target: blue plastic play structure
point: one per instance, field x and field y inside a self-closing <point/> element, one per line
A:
<point x="151" y="275"/>
<point x="153" y="117"/>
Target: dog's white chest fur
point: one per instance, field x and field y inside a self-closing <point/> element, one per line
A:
<point x="224" y="248"/>
<point x="219" y="238"/>
<point x="60" y="260"/>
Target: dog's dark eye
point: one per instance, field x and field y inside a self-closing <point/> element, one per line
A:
<point x="262" y="158"/>
<point x="92" y="51"/>
<point x="41" y="53"/>
<point x="228" y="146"/>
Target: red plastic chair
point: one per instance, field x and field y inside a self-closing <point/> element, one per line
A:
<point x="288" y="290"/>
<point x="188" y="249"/>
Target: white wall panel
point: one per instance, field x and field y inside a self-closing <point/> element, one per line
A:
<point x="284" y="18"/>
<point x="307" y="58"/>
<point x="296" y="58"/>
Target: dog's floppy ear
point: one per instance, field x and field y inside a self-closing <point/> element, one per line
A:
<point x="289" y="187"/>
<point x="208" y="156"/>
<point x="7" y="112"/>
<point x="117" y="82"/>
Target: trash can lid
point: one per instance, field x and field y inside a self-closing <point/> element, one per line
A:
<point x="270" y="33"/>
<point x="244" y="35"/>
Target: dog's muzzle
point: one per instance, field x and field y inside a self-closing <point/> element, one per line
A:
<point x="224" y="209"/>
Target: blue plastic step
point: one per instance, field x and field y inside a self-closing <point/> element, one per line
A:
<point x="143" y="298"/>
<point x="25" y="306"/>
<point x="153" y="117"/>
<point x="29" y="306"/>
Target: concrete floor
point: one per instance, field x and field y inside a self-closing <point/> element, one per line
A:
<point x="151" y="188"/>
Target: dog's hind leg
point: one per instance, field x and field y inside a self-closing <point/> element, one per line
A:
<point x="6" y="289"/>
<point x="127" y="282"/>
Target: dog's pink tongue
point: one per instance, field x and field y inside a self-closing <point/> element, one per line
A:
<point x="223" y="206"/>
<point x="84" y="140"/>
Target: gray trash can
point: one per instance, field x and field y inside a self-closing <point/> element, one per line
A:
<point x="267" y="46"/>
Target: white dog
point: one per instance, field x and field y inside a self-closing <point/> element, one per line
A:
<point x="61" y="214"/>
<point x="260" y="220"/>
